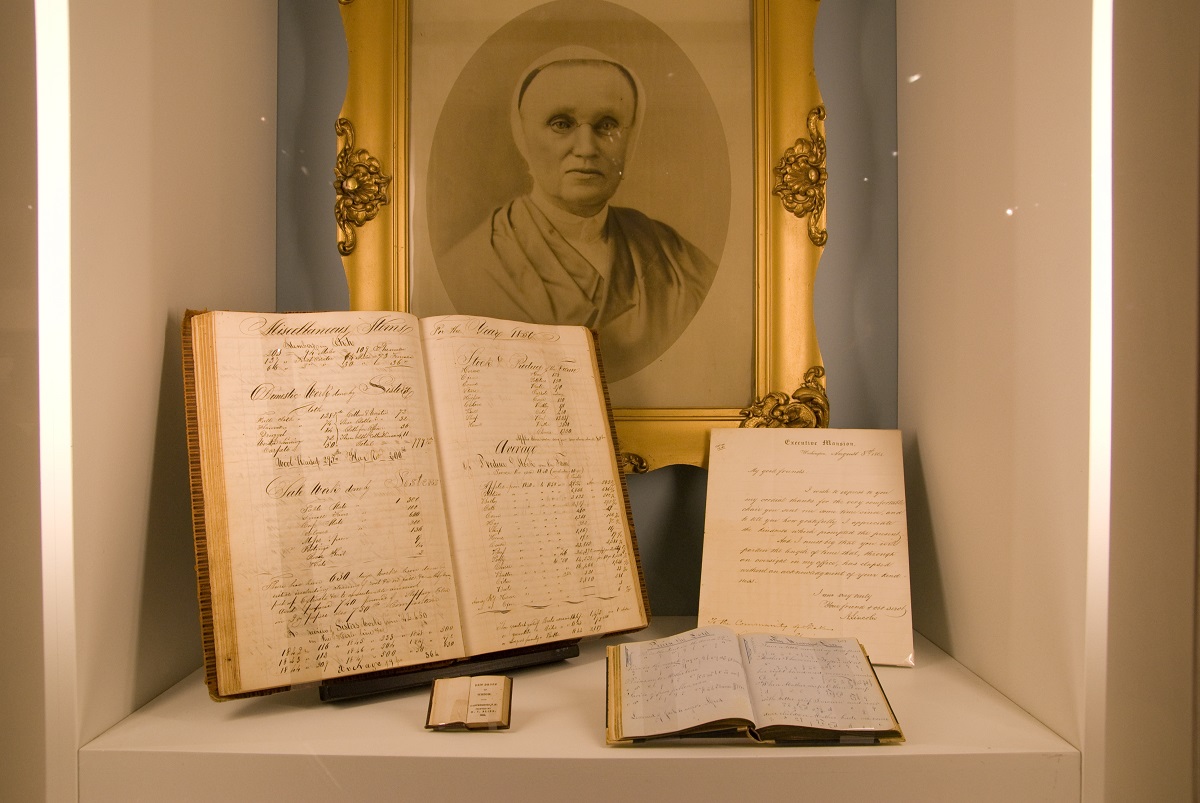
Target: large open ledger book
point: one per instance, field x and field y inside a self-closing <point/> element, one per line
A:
<point x="713" y="682"/>
<point x="805" y="533"/>
<point x="371" y="492"/>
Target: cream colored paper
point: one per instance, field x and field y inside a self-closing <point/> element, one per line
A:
<point x="680" y="682"/>
<point x="814" y="683"/>
<point x="541" y="544"/>
<point x="805" y="534"/>
<point x="488" y="704"/>
<point x="342" y="562"/>
<point x="449" y="699"/>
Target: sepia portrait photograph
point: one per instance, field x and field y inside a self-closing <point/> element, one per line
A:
<point x="591" y="162"/>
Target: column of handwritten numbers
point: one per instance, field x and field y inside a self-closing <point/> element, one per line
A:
<point x="414" y="618"/>
<point x="549" y="553"/>
<point x="588" y="576"/>
<point x="613" y="553"/>
<point x="584" y="580"/>
<point x="569" y="515"/>
<point x="416" y="524"/>
<point x="562" y="413"/>
<point x="541" y="402"/>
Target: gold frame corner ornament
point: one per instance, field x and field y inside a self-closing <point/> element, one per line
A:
<point x="789" y="171"/>
<point x="801" y="176"/>
<point x="360" y="187"/>
<point x="808" y="406"/>
<point x="633" y="464"/>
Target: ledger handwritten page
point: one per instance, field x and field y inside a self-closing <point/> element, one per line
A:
<point x="805" y="533"/>
<point x="680" y="682"/>
<point x="542" y="546"/>
<point x="816" y="683"/>
<point x="338" y="551"/>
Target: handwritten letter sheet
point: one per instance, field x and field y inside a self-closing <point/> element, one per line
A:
<point x="805" y="534"/>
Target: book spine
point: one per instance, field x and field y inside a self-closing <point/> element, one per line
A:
<point x="196" y="482"/>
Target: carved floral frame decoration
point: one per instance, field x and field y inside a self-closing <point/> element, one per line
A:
<point x="790" y="233"/>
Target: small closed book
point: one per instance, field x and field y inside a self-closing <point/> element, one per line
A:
<point x="374" y="493"/>
<point x="768" y="688"/>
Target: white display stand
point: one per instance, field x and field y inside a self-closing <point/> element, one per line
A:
<point x="964" y="741"/>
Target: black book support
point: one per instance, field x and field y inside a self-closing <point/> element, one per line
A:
<point x="355" y="687"/>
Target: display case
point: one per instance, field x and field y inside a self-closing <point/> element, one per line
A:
<point x="1047" y="391"/>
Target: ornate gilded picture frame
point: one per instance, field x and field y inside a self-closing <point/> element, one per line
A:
<point x="373" y="180"/>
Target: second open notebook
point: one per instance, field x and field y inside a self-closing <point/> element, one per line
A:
<point x="711" y="682"/>
<point x="372" y="491"/>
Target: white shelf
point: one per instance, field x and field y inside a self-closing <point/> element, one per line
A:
<point x="965" y="741"/>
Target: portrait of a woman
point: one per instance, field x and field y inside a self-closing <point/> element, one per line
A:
<point x="561" y="253"/>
